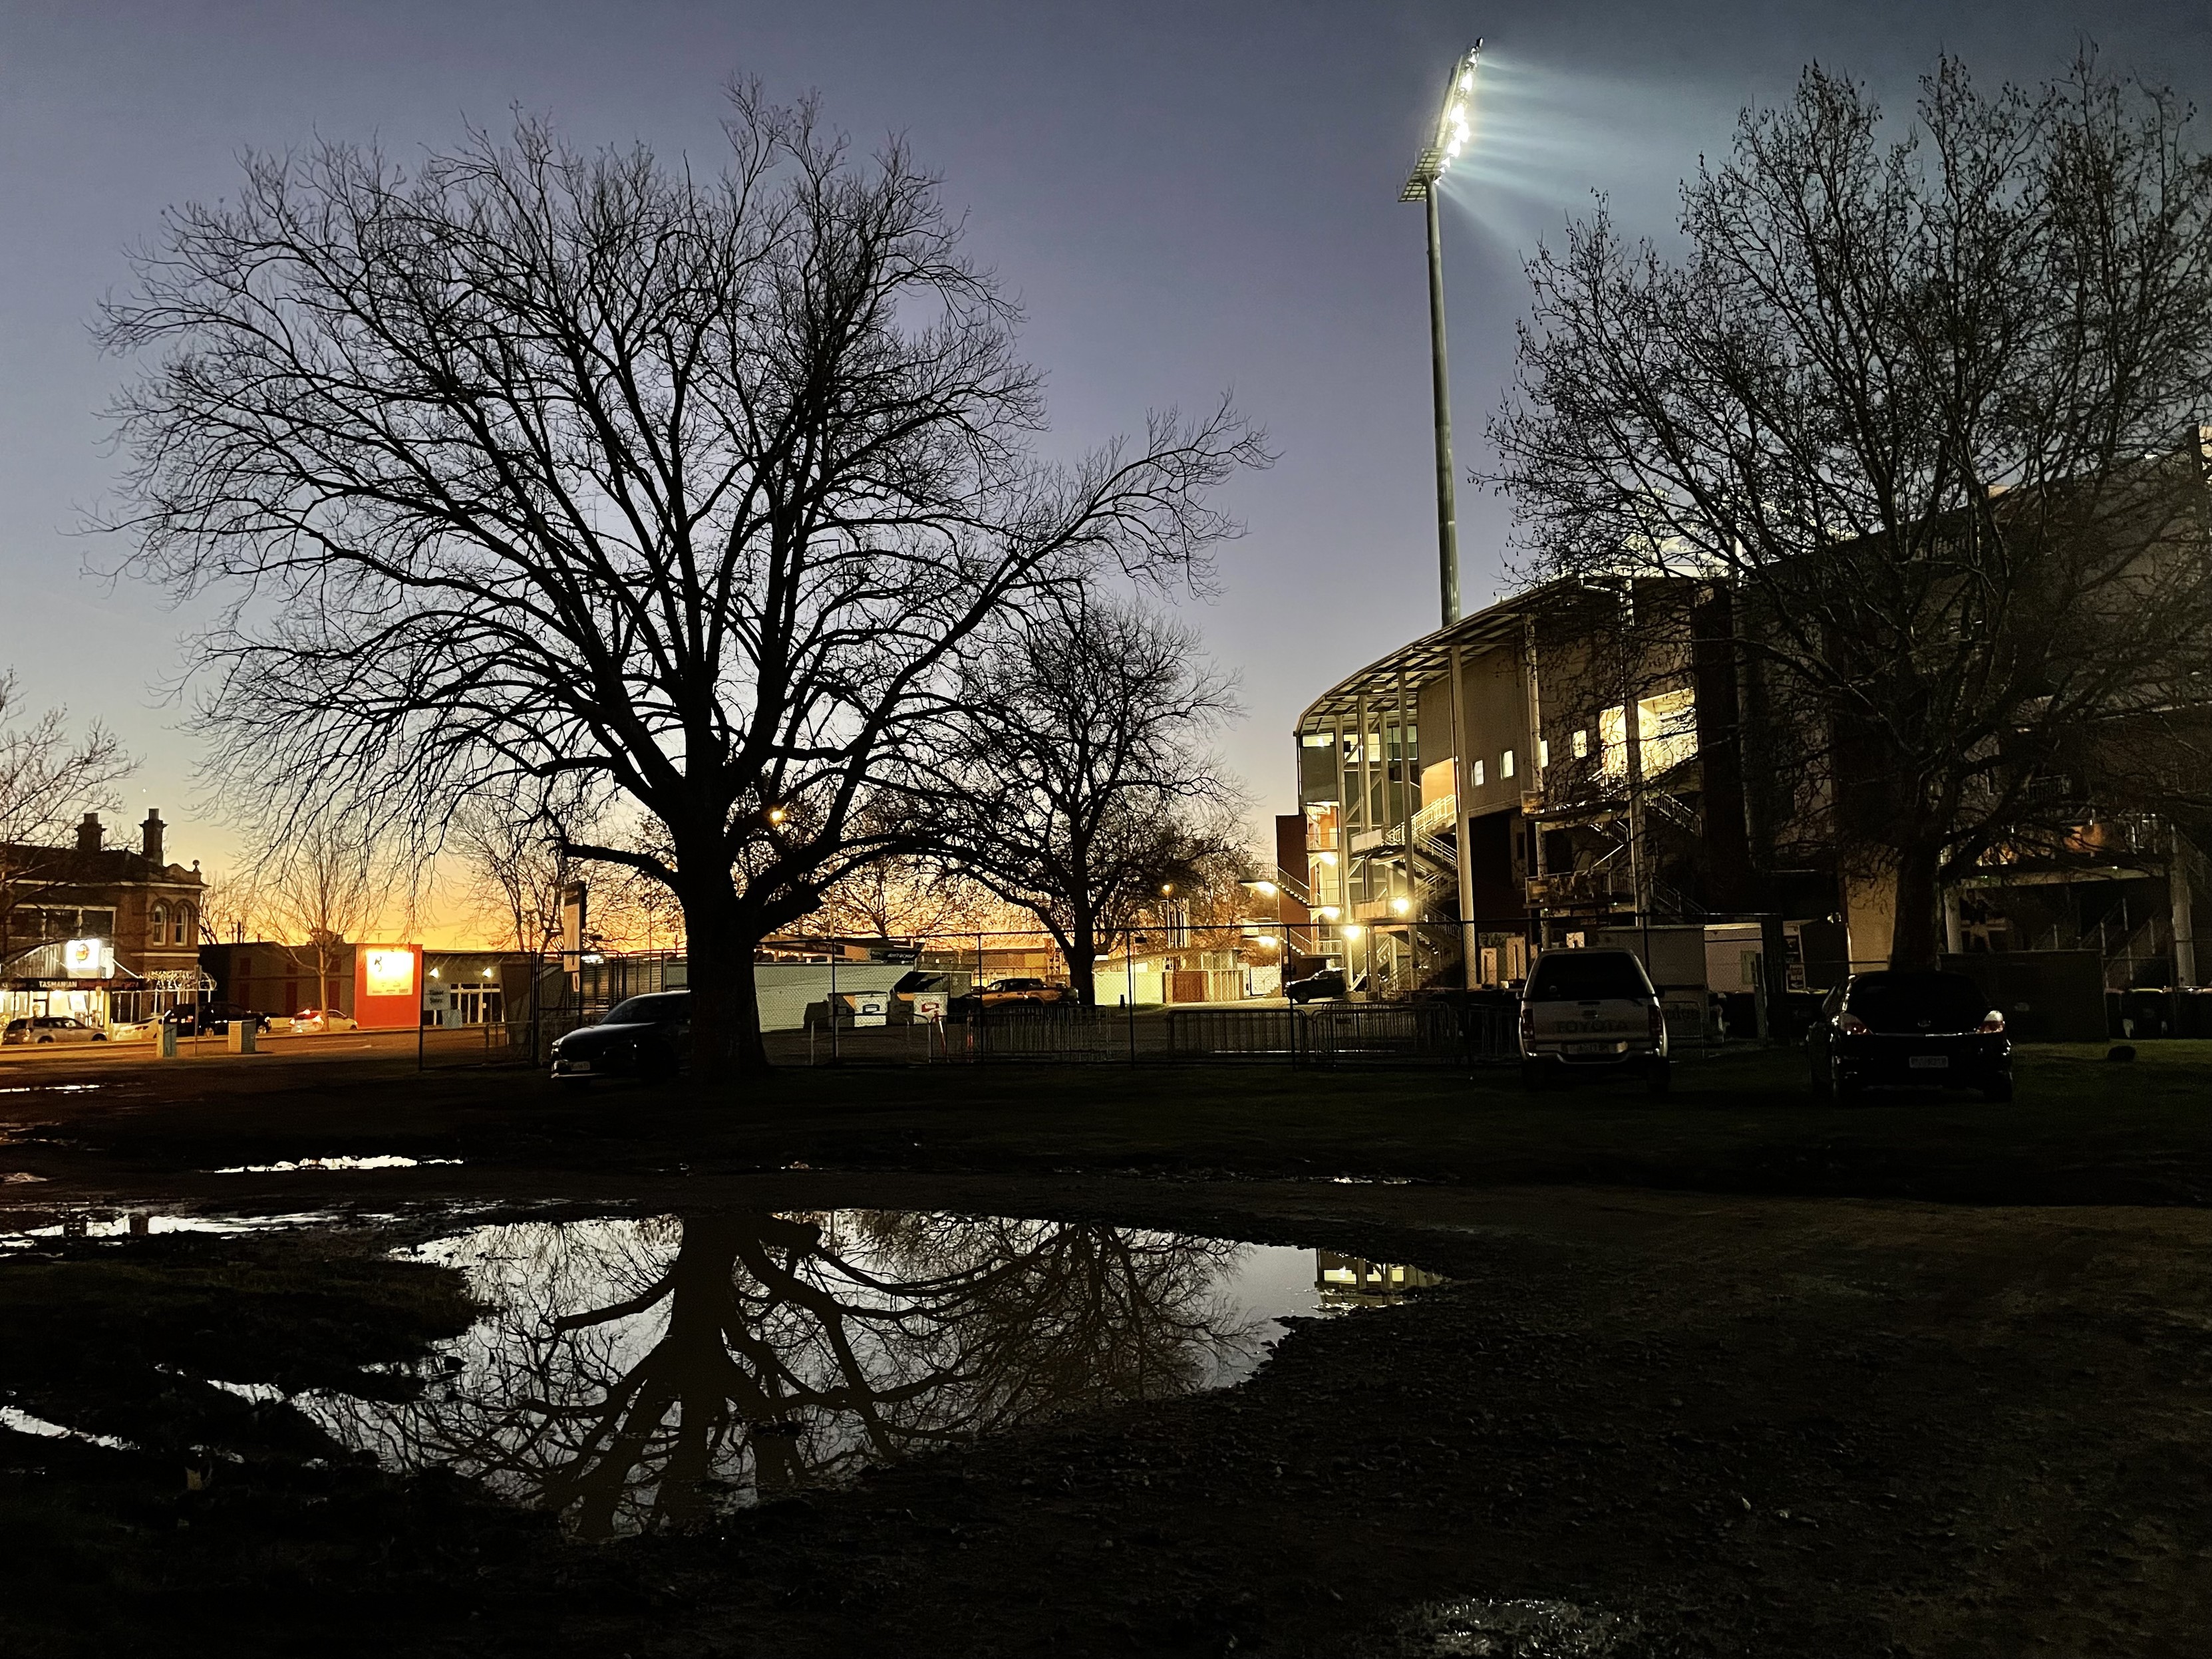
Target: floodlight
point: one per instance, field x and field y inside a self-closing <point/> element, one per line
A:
<point x="1455" y="127"/>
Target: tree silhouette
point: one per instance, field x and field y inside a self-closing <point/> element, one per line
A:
<point x="638" y="1374"/>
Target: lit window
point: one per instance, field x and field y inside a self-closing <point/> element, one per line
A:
<point x="1478" y="775"/>
<point x="1581" y="746"/>
<point x="1668" y="728"/>
<point x="1666" y="734"/>
<point x="1505" y="764"/>
<point x="1543" y="752"/>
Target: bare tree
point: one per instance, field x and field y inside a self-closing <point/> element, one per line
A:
<point x="911" y="896"/>
<point x="1898" y="398"/>
<point x="1075" y="781"/>
<point x="319" y="890"/>
<point x="517" y="865"/>
<point x="533" y="464"/>
<point x="49" y="778"/>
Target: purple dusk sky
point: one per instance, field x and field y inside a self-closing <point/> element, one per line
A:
<point x="1188" y="197"/>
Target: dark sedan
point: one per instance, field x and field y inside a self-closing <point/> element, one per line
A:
<point x="212" y="1018"/>
<point x="646" y="1037"/>
<point x="1914" y="1030"/>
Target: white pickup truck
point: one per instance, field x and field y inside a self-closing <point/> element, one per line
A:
<point x="1591" y="1013"/>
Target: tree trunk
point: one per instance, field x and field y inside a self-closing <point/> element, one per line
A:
<point x="1081" y="952"/>
<point x="1916" y="936"/>
<point x="726" y="1032"/>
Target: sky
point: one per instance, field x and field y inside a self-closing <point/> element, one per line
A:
<point x="1188" y="198"/>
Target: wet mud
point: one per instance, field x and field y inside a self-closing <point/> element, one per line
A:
<point x="1016" y="1402"/>
<point x="1626" y="1426"/>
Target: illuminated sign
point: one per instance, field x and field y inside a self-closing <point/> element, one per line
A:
<point x="86" y="958"/>
<point x="389" y="973"/>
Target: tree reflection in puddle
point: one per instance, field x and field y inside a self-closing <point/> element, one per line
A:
<point x="633" y="1375"/>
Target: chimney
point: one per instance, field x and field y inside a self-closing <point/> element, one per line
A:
<point x="88" y="833"/>
<point x="151" y="832"/>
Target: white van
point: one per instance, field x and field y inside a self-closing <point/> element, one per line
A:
<point x="1591" y="1013"/>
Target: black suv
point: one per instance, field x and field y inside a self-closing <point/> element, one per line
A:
<point x="211" y="1019"/>
<point x="1920" y="1029"/>
<point x="646" y="1036"/>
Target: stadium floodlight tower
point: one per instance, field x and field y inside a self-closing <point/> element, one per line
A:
<point x="1455" y="127"/>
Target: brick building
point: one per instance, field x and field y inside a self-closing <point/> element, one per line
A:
<point x="107" y="933"/>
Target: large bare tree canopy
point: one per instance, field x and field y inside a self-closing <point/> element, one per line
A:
<point x="528" y="466"/>
<point x="1928" y="403"/>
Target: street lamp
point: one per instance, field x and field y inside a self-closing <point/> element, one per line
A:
<point x="1455" y="127"/>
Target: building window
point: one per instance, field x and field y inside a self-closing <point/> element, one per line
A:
<point x="161" y="929"/>
<point x="1581" y="745"/>
<point x="1505" y="764"/>
<point x="182" y="932"/>
<point x="1543" y="752"/>
<point x="1666" y="734"/>
<point x="1478" y="775"/>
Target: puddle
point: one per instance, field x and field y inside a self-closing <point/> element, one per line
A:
<point x="633" y="1374"/>
<point x="141" y="1224"/>
<point x="1519" y="1629"/>
<point x="287" y="1166"/>
<point x="23" y="1423"/>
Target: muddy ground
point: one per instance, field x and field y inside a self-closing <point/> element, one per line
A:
<point x="1719" y="1377"/>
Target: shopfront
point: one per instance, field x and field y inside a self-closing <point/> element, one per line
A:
<point x="73" y="978"/>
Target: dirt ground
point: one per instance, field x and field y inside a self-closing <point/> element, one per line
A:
<point x="1729" y="1374"/>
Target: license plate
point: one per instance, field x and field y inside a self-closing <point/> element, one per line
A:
<point x="586" y="1065"/>
<point x="1929" y="1062"/>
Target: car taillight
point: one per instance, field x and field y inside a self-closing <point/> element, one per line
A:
<point x="1658" y="1019"/>
<point x="1527" y="1021"/>
<point x="1851" y="1025"/>
<point x="1992" y="1023"/>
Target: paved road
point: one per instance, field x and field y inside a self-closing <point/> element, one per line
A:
<point x="43" y="1058"/>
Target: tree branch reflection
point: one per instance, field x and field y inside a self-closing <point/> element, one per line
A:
<point x="639" y="1375"/>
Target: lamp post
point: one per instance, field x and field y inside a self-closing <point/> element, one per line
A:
<point x="1454" y="129"/>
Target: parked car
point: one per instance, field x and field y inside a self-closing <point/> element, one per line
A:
<point x="49" y="1028"/>
<point x="210" y="1019"/>
<point x="1315" y="987"/>
<point x="1592" y="1013"/>
<point x="1003" y="992"/>
<point x="321" y="1022"/>
<point x="1022" y="990"/>
<point x="1912" y="1028"/>
<point x="648" y="1036"/>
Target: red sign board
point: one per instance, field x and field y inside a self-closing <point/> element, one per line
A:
<point x="387" y="986"/>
